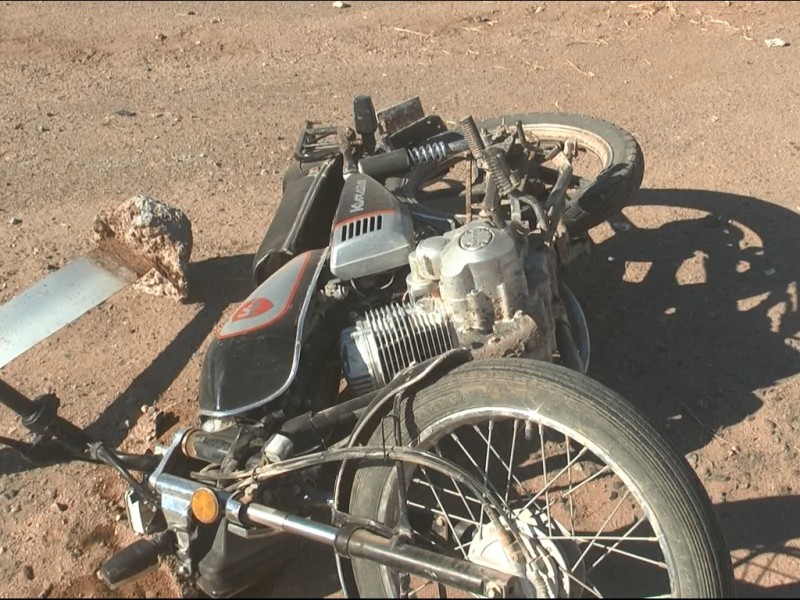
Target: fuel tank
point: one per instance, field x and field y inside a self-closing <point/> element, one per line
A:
<point x="254" y="356"/>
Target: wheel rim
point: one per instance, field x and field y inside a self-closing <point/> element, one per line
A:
<point x="581" y="550"/>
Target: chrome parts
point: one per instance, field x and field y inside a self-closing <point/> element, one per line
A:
<point x="388" y="339"/>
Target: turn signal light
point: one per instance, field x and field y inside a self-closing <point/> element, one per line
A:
<point x="205" y="506"/>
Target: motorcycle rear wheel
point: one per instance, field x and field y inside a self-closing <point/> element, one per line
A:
<point x="614" y="158"/>
<point x="606" y="505"/>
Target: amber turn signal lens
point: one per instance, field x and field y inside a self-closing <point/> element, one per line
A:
<point x="205" y="506"/>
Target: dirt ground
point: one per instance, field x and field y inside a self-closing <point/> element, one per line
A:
<point x="691" y="295"/>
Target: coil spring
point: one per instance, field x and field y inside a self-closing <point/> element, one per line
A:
<point x="470" y="131"/>
<point x="495" y="162"/>
<point x="429" y="153"/>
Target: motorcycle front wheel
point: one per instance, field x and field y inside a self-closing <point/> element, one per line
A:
<point x="601" y="500"/>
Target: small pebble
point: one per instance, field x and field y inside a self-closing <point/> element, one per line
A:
<point x="714" y="119"/>
<point x="161" y="37"/>
<point x="610" y="259"/>
<point x="27" y="571"/>
<point x="769" y="272"/>
<point x="124" y="112"/>
<point x="14" y="221"/>
<point x="340" y="4"/>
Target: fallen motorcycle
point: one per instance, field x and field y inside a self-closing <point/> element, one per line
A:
<point x="407" y="384"/>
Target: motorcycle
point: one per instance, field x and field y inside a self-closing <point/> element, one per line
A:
<point x="407" y="384"/>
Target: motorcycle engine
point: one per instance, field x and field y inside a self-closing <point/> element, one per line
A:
<point x="478" y="286"/>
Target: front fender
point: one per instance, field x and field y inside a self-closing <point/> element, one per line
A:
<point x="413" y="377"/>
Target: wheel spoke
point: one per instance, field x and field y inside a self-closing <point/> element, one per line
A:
<point x="544" y="475"/>
<point x="600" y="531"/>
<point x="497" y="455"/>
<point x="444" y="512"/>
<point x="571" y="491"/>
<point x="592" y="590"/>
<point x="560" y="473"/>
<point x="438" y="452"/>
<point x="589" y="538"/>
<point x="474" y="464"/>
<point x="419" y="587"/>
<point x="486" y="461"/>
<point x="450" y="492"/>
<point x="615" y="550"/>
<point x="610" y="549"/>
<point x="511" y="462"/>
<point x="569" y="484"/>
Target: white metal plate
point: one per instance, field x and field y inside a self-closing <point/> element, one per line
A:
<point x="57" y="300"/>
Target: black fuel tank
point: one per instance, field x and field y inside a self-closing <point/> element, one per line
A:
<point x="254" y="356"/>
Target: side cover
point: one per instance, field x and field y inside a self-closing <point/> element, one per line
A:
<point x="304" y="215"/>
<point x="255" y="355"/>
<point x="372" y="231"/>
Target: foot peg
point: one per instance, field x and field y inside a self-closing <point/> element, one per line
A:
<point x="135" y="560"/>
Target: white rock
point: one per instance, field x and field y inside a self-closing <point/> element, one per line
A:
<point x="776" y="43"/>
<point x="340" y="4"/>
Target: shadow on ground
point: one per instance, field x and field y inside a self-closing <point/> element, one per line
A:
<point x="699" y="351"/>
<point x="759" y="532"/>
<point x="685" y="350"/>
<point x="214" y="285"/>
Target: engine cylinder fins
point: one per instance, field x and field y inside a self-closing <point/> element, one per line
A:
<point x="388" y="339"/>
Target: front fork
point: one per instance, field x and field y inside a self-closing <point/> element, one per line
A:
<point x="351" y="541"/>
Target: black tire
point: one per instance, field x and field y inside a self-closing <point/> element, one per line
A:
<point x="679" y="506"/>
<point x="594" y="201"/>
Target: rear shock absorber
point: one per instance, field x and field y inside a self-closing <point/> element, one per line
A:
<point x="495" y="160"/>
<point x="435" y="151"/>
